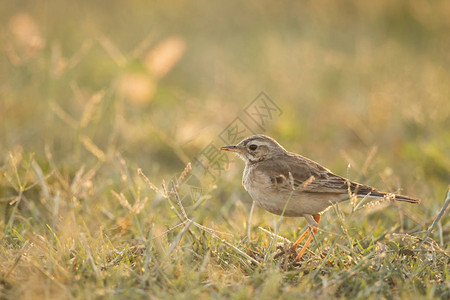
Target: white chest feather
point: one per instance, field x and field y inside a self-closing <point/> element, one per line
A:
<point x="262" y="190"/>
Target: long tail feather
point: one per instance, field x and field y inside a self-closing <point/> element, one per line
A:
<point x="376" y="194"/>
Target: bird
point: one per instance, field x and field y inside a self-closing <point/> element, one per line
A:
<point x="291" y="185"/>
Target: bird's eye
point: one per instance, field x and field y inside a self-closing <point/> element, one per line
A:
<point x="252" y="147"/>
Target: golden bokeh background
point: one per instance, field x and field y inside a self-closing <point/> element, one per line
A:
<point x="144" y="77"/>
<point x="93" y="90"/>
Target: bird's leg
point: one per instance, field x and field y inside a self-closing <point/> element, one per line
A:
<point x="313" y="229"/>
<point x="294" y="247"/>
<point x="316" y="218"/>
<point x="299" y="240"/>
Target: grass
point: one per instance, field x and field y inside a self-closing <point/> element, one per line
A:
<point x="102" y="111"/>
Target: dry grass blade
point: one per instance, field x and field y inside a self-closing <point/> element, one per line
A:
<point x="113" y="51"/>
<point x="61" y="180"/>
<point x="171" y="229"/>
<point x="122" y="200"/>
<point x="91" y="108"/>
<point x="92" y="147"/>
<point x="89" y="254"/>
<point x="186" y="170"/>
<point x="42" y="179"/>
<point x="210" y="230"/>
<point x="275" y="235"/>
<point x="436" y="220"/>
<point x="63" y="115"/>
<point x="150" y="184"/>
<point x="245" y="255"/>
<point x="178" y="238"/>
<point x="179" y="201"/>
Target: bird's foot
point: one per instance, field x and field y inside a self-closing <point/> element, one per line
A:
<point x="288" y="256"/>
<point x="286" y="251"/>
<point x="280" y="251"/>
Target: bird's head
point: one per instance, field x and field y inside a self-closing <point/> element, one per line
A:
<point x="256" y="148"/>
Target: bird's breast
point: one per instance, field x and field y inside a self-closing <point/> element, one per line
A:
<point x="263" y="191"/>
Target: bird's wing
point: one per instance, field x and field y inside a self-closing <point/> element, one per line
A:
<point x="302" y="174"/>
<point x="333" y="183"/>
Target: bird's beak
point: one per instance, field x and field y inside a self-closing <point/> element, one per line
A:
<point x="232" y="148"/>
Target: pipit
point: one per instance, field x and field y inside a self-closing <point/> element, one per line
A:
<point x="291" y="185"/>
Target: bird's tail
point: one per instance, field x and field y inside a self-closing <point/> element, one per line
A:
<point x="376" y="194"/>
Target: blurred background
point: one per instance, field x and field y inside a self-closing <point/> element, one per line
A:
<point x="85" y="84"/>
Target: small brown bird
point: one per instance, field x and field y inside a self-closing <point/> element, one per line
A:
<point x="291" y="185"/>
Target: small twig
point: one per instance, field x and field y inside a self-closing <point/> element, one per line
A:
<point x="188" y="219"/>
<point x="235" y="248"/>
<point x="211" y="231"/>
<point x="438" y="217"/>
<point x="179" y="201"/>
<point x="189" y="222"/>
<point x="361" y="202"/>
<point x="171" y="229"/>
<point x="162" y="192"/>
<point x="275" y="235"/>
<point x="177" y="239"/>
